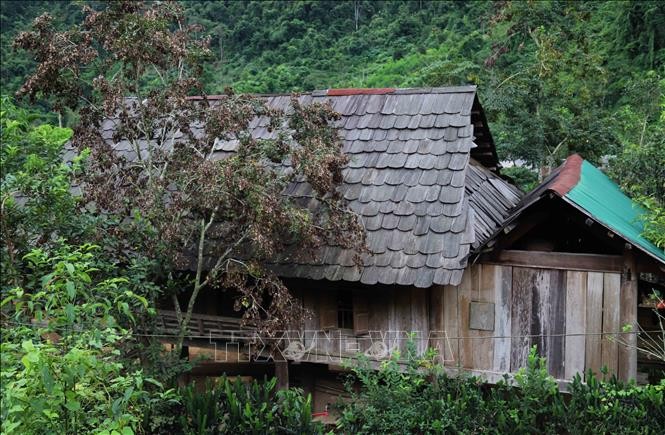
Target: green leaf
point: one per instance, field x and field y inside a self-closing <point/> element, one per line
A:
<point x="128" y="393"/>
<point x="50" y="414"/>
<point x="28" y="346"/>
<point x="71" y="290"/>
<point x="70" y="312"/>
<point x="73" y="405"/>
<point x="47" y="379"/>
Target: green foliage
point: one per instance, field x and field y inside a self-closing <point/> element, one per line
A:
<point x="63" y="368"/>
<point x="549" y="72"/>
<point x="398" y="400"/>
<point x="525" y="178"/>
<point x="611" y="407"/>
<point x="37" y="206"/>
<point x="640" y="167"/>
<point x="234" y="407"/>
<point x="653" y="220"/>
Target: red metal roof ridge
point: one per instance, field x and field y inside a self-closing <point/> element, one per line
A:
<point x="569" y="175"/>
<point x="359" y="91"/>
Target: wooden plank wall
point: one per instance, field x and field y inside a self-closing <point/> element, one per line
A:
<point x="569" y="315"/>
<point x="394" y="313"/>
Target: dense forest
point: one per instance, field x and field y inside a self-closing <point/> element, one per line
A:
<point x="554" y="77"/>
<point x="92" y="246"/>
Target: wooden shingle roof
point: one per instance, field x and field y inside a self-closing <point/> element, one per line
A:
<point x="422" y="177"/>
<point x="413" y="178"/>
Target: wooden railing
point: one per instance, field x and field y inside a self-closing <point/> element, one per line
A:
<point x="202" y="325"/>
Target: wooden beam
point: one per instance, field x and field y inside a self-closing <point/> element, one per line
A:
<point x="282" y="374"/>
<point x="628" y="316"/>
<point x="257" y="370"/>
<point x="523" y="226"/>
<point x="559" y="260"/>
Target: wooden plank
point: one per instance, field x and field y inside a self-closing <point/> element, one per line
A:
<point x="402" y="317"/>
<point x="451" y="328"/>
<point x="419" y="318"/>
<point x="327" y="309"/>
<point x="392" y="332"/>
<point x="483" y="355"/>
<point x="380" y="305"/>
<point x="628" y="316"/>
<point x="502" y="319"/>
<point x="312" y="320"/>
<point x="540" y="313"/>
<point x="576" y="294"/>
<point x="557" y="324"/>
<point x="594" y="322"/>
<point x="436" y="321"/>
<point x="360" y="312"/>
<point x="559" y="260"/>
<point x="520" y="316"/>
<point x="611" y="306"/>
<point x="466" y="335"/>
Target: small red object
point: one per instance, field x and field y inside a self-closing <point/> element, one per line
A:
<point x="661" y="305"/>
<point x="359" y="91"/>
<point x="320" y="414"/>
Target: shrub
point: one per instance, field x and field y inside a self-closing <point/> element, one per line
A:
<point x="62" y="365"/>
<point x="235" y="407"/>
<point x="422" y="399"/>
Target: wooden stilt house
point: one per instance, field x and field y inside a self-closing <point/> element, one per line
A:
<point x="459" y="260"/>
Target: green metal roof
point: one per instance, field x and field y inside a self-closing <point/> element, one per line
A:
<point x="600" y="198"/>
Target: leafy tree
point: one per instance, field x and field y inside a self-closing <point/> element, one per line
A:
<point x="68" y="354"/>
<point x="62" y="366"/>
<point x="37" y="207"/>
<point x="171" y="195"/>
<point x="640" y="167"/>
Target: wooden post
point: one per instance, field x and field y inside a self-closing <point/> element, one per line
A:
<point x="628" y="316"/>
<point x="576" y="294"/>
<point x="282" y="374"/>
<point x="436" y="323"/>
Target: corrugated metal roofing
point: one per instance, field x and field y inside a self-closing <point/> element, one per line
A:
<point x="589" y="190"/>
<point x="601" y="199"/>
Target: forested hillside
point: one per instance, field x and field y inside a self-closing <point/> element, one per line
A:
<point x="554" y="77"/>
<point x="98" y="237"/>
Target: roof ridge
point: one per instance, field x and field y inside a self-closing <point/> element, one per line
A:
<point x="394" y="91"/>
<point x="569" y="175"/>
<point x="333" y="92"/>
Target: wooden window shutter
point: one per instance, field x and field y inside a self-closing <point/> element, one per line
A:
<point x="328" y="309"/>
<point x="360" y="314"/>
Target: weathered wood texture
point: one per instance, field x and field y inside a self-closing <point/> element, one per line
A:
<point x="560" y="260"/>
<point x="594" y="322"/>
<point x="576" y="294"/>
<point x="451" y="321"/>
<point x="503" y="290"/>
<point x="568" y="315"/>
<point x="628" y="316"/>
<point x="466" y="289"/>
<point x="521" y="306"/>
<point x="388" y="315"/>
<point x="611" y="305"/>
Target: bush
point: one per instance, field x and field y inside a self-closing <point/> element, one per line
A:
<point x="234" y="407"/>
<point x="63" y="369"/>
<point x="422" y="399"/>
